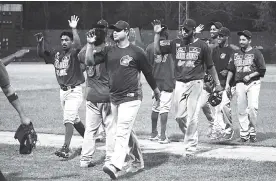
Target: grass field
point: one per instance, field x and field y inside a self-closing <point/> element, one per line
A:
<point x="39" y="94"/>
<point x="43" y="165"/>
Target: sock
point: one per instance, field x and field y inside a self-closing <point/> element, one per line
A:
<point x="80" y="128"/>
<point x="69" y="129"/>
<point x="163" y="119"/>
<point x="154" y="119"/>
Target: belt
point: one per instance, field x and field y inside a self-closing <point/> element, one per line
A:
<point x="66" y="88"/>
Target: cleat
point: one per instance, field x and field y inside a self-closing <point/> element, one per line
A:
<point x="110" y="170"/>
<point x="63" y="152"/>
<point x="154" y="137"/>
<point x="253" y="138"/>
<point x="229" y="135"/>
<point x="164" y="141"/>
<point x="86" y="164"/>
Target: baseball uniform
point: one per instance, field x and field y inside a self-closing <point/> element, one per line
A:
<point x="98" y="110"/>
<point x="242" y="64"/>
<point x="190" y="61"/>
<point x="123" y="67"/>
<point x="221" y="57"/>
<point x="70" y="77"/>
<point x="163" y="73"/>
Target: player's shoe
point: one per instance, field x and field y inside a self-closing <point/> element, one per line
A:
<point x="154" y="137"/>
<point x="111" y="171"/>
<point x="135" y="167"/>
<point x="164" y="140"/>
<point x="244" y="139"/>
<point x="63" y="152"/>
<point x="253" y="138"/>
<point x="86" y="164"/>
<point x="229" y="133"/>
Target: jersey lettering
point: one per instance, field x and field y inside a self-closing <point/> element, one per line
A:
<point x="160" y="58"/>
<point x="243" y="63"/>
<point x="63" y="65"/>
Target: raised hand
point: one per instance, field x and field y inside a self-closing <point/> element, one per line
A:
<point x="199" y="28"/>
<point x="157" y="26"/>
<point x="21" y="53"/>
<point x="39" y="37"/>
<point x="90" y="36"/>
<point x="74" y="21"/>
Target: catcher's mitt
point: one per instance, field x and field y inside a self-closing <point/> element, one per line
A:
<point x="215" y="98"/>
<point x="27" y="138"/>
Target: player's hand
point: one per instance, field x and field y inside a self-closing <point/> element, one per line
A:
<point x="246" y="78"/>
<point x="21" y="53"/>
<point x="157" y="26"/>
<point x="199" y="28"/>
<point x="157" y="94"/>
<point x="224" y="73"/>
<point x="218" y="88"/>
<point x="74" y="21"/>
<point x="39" y="37"/>
<point x="228" y="91"/>
<point x="90" y="36"/>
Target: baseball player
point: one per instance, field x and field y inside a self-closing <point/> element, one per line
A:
<point x="248" y="66"/>
<point x="163" y="72"/>
<point x="221" y="56"/>
<point x="124" y="61"/>
<point x="97" y="101"/>
<point x="26" y="124"/>
<point x="207" y="86"/>
<point x="70" y="77"/>
<point x="191" y="55"/>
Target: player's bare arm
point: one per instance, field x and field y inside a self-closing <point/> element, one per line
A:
<point x="40" y="44"/>
<point x="7" y="60"/>
<point x="214" y="74"/>
<point x="89" y="55"/>
<point x="157" y="29"/>
<point x="73" y="23"/>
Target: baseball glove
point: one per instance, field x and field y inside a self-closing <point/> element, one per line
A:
<point x="208" y="83"/>
<point x="215" y="98"/>
<point x="27" y="138"/>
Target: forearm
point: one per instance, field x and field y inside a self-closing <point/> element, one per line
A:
<point x="89" y="55"/>
<point x="40" y="49"/>
<point x="229" y="77"/>
<point x="76" y="38"/>
<point x="212" y="71"/>
<point x="8" y="59"/>
<point x="254" y="74"/>
<point x="157" y="44"/>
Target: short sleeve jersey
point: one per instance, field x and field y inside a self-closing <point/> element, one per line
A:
<point x="163" y="69"/>
<point x="221" y="57"/>
<point x="67" y="66"/>
<point x="97" y="81"/>
<point x="124" y="66"/>
<point x="190" y="60"/>
<point x="245" y="63"/>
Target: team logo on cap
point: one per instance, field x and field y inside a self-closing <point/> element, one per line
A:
<point x="124" y="61"/>
<point x="222" y="56"/>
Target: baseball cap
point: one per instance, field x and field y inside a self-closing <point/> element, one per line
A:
<point x="217" y="24"/>
<point x="120" y="25"/>
<point x="165" y="27"/>
<point x="189" y="24"/>
<point x="100" y="24"/>
<point x="246" y="33"/>
<point x="224" y="31"/>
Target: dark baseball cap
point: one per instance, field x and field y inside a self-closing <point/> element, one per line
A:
<point x="224" y="31"/>
<point x="121" y="25"/>
<point x="189" y="24"/>
<point x="217" y="24"/>
<point x="246" y="33"/>
<point x="101" y="24"/>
